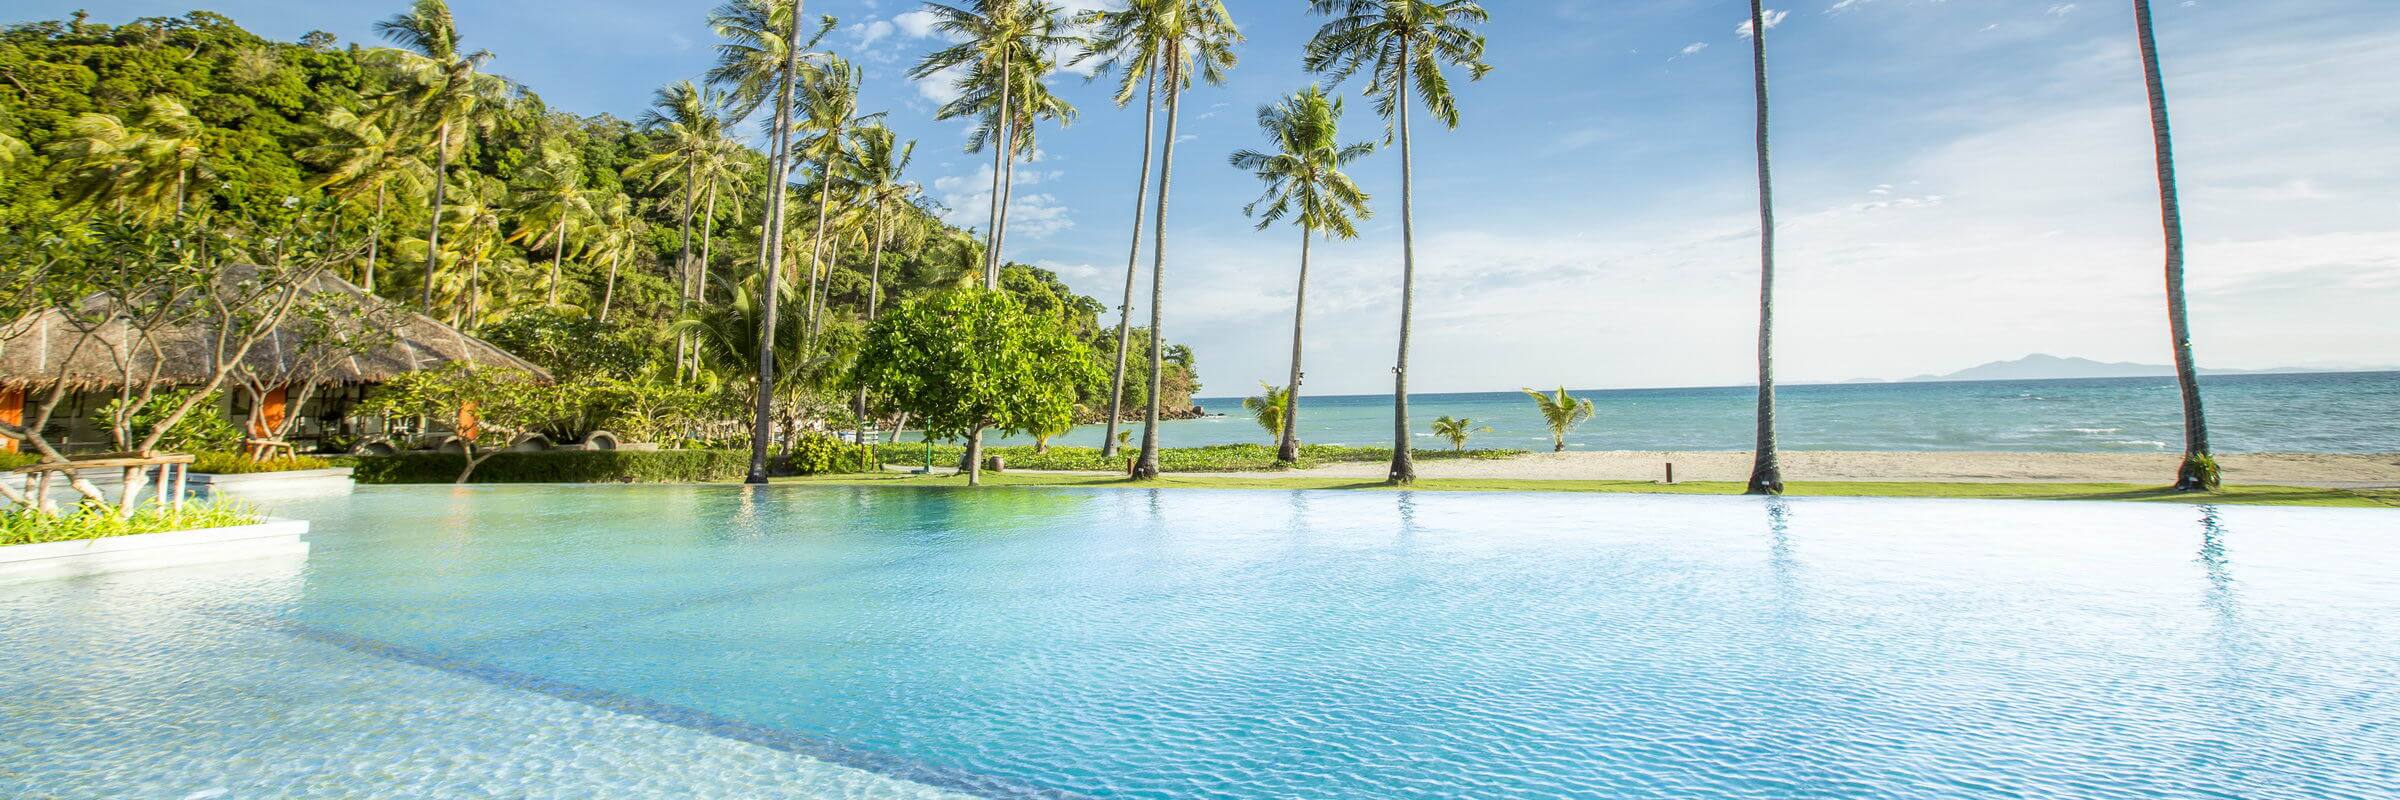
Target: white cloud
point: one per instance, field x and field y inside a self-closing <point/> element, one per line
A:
<point x="2061" y="9"/>
<point x="1694" y="48"/>
<point x="917" y="24"/>
<point x="1032" y="214"/>
<point x="1773" y="17"/>
<point x="865" y="36"/>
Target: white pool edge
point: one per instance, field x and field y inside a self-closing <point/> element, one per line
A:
<point x="272" y="537"/>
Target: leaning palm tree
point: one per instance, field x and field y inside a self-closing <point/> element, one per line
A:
<point x="1187" y="36"/>
<point x="1002" y="46"/>
<point x="443" y="94"/>
<point x="1270" y="407"/>
<point x="1456" y="431"/>
<point x="1401" y="45"/>
<point x="143" y="165"/>
<point x="616" y="234"/>
<point x="1766" y="469"/>
<point x="760" y="63"/>
<point x="360" y="154"/>
<point x="1561" y="412"/>
<point x="1119" y="39"/>
<point x="548" y="201"/>
<point x="2199" y="471"/>
<point x="1304" y="180"/>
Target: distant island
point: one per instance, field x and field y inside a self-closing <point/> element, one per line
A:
<point x="2042" y="366"/>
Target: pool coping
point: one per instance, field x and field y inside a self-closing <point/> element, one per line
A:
<point x="270" y="537"/>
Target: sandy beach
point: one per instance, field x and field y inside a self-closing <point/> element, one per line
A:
<point x="2331" y="470"/>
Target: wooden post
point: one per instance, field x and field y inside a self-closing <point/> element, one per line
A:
<point x="1670" y="473"/>
<point x="41" y="493"/>
<point x="182" y="471"/>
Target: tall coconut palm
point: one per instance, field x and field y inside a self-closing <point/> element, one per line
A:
<point x="760" y="61"/>
<point x="1189" y="37"/>
<point x="478" y="228"/>
<point x="143" y="165"/>
<point x="1402" y="46"/>
<point x="359" y="155"/>
<point x="2199" y="470"/>
<point x="1003" y="47"/>
<point x="1305" y="181"/>
<point x="1766" y="468"/>
<point x="829" y="112"/>
<point x="878" y="170"/>
<point x="1119" y="40"/>
<point x="443" y="94"/>
<point x="1561" y="412"/>
<point x="548" y="202"/>
<point x="616" y="234"/>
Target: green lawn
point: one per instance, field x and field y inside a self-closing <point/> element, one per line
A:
<point x="2232" y="495"/>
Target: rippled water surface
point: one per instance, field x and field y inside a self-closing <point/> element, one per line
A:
<point x="810" y="642"/>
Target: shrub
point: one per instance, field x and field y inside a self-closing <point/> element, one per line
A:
<point x="239" y="464"/>
<point x="821" y="453"/>
<point x="203" y="429"/>
<point x="573" y="466"/>
<point x="25" y="526"/>
<point x="15" y="460"/>
<point x="1213" y="458"/>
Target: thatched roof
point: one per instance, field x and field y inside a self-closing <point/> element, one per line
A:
<point x="31" y="357"/>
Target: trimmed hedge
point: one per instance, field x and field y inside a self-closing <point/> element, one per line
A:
<point x="1214" y="458"/>
<point x="572" y="466"/>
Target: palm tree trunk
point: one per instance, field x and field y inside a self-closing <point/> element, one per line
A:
<point x="1404" y="462"/>
<point x="374" y="237"/>
<point x="1287" y="444"/>
<point x="874" y="296"/>
<point x="816" y="253"/>
<point x="1146" y="467"/>
<point x="708" y="232"/>
<point x="609" y="297"/>
<point x="685" y="345"/>
<point x="991" y="235"/>
<point x="1766" y="471"/>
<point x="558" y="255"/>
<point x="1008" y="194"/>
<point x="1133" y="257"/>
<point x="762" y="424"/>
<point x="2199" y="469"/>
<point x="433" y="233"/>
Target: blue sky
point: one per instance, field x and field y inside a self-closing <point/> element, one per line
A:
<point x="1958" y="181"/>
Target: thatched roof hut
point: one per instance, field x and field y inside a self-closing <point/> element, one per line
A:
<point x="32" y="357"/>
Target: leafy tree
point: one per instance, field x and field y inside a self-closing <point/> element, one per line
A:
<point x="1456" y="430"/>
<point x="970" y="360"/>
<point x="1561" y="412"/>
<point x="1401" y="45"/>
<point x="495" y="408"/>
<point x="1304" y="180"/>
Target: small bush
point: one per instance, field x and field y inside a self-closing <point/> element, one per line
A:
<point x="573" y="466"/>
<point x="15" y="460"/>
<point x="821" y="453"/>
<point x="240" y="464"/>
<point x="25" y="526"/>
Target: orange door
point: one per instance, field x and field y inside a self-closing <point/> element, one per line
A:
<point x="12" y="411"/>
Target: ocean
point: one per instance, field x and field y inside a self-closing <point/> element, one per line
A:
<point x="2354" y="412"/>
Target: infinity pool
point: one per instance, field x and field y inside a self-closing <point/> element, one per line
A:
<point x="817" y="642"/>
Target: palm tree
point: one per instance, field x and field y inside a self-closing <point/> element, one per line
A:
<point x="143" y="166"/>
<point x="1185" y="35"/>
<point x="548" y="200"/>
<point x="1117" y="38"/>
<point x="444" y="93"/>
<point x="1003" y="46"/>
<point x="1766" y="470"/>
<point x="881" y="162"/>
<point x="1304" y="179"/>
<point x="1456" y="431"/>
<point x="1562" y="412"/>
<point x="761" y="59"/>
<point x="1398" y="42"/>
<point x="829" y="111"/>
<point x="1270" y="407"/>
<point x="2199" y="470"/>
<point x="616" y="234"/>
<point x="478" y="229"/>
<point x="360" y="154"/>
<point x="11" y="148"/>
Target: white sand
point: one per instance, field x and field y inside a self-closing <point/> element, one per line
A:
<point x="2344" y="470"/>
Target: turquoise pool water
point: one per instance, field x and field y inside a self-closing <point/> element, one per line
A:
<point x="823" y="642"/>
